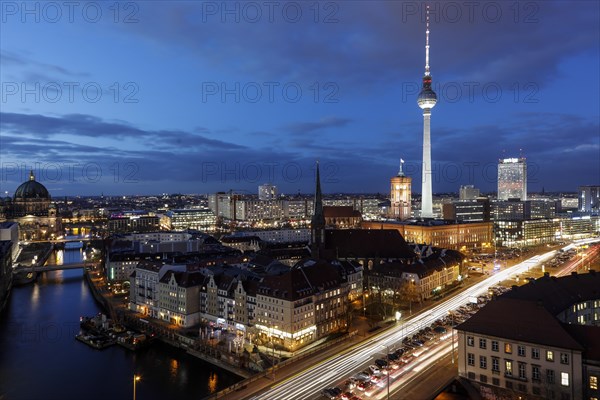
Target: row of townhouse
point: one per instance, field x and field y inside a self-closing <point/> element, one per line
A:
<point x="290" y="306"/>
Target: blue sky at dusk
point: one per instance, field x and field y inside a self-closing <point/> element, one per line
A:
<point x="197" y="97"/>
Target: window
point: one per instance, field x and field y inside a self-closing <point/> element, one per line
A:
<point x="535" y="353"/>
<point x="471" y="359"/>
<point x="593" y="382"/>
<point x="482" y="343"/>
<point x="483" y="362"/>
<point x="521" y="351"/>
<point x="564" y="358"/>
<point x="509" y="385"/>
<point x="483" y="378"/>
<point x="508" y="368"/>
<point x="522" y="372"/>
<point x="535" y="372"/>
<point x="470" y="341"/>
<point x="508" y="348"/>
<point x="496" y="381"/>
<point x="550" y="375"/>
<point x="494" y="345"/>
<point x="549" y="355"/>
<point x="495" y="364"/>
<point x="564" y="378"/>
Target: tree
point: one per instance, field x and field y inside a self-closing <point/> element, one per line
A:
<point x="409" y="292"/>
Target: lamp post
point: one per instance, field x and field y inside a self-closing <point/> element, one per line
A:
<point x="136" y="378"/>
<point x="387" y="356"/>
<point x="452" y="336"/>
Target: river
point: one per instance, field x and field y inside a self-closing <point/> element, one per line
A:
<point x="41" y="360"/>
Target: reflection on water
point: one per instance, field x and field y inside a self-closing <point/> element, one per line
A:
<point x="37" y="331"/>
<point x="212" y="382"/>
<point x="58" y="257"/>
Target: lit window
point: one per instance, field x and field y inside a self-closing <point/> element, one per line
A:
<point x="549" y="355"/>
<point x="508" y="367"/>
<point x="508" y="348"/>
<point x="594" y="382"/>
<point x="564" y="378"/>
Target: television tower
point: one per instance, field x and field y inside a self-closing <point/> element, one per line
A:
<point x="427" y="99"/>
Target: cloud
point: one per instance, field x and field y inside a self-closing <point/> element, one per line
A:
<point x="303" y="128"/>
<point x="357" y="45"/>
<point x="81" y="125"/>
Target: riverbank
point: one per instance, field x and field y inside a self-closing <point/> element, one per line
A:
<point x="37" y="336"/>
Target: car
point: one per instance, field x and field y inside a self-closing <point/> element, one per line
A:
<point x="375" y="379"/>
<point x="346" y="396"/>
<point x="329" y="393"/>
<point x="381" y="363"/>
<point x="393" y="356"/>
<point x="366" y="385"/>
<point x="350" y="384"/>
<point x="362" y="376"/>
<point x="374" y="369"/>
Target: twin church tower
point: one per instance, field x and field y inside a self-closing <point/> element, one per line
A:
<point x="400" y="190"/>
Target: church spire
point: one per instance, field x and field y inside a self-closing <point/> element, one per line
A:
<point x="317" y="225"/>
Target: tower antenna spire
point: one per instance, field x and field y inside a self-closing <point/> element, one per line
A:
<point x="427" y="43"/>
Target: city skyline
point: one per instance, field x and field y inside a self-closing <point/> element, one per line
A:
<point x="193" y="98"/>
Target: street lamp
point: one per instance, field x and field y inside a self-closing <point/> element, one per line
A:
<point x="388" y="373"/>
<point x="136" y="378"/>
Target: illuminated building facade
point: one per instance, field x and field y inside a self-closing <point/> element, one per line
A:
<point x="468" y="192"/>
<point x="457" y="236"/>
<point x="32" y="208"/>
<point x="533" y="343"/>
<point x="198" y="219"/>
<point x="400" y="195"/>
<point x="512" y="178"/>
<point x="267" y="192"/>
<point x="589" y="199"/>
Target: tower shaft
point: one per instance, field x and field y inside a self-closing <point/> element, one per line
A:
<point x="426" y="191"/>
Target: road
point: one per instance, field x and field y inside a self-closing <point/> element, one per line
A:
<point x="308" y="383"/>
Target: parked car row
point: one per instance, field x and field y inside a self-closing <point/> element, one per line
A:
<point x="364" y="382"/>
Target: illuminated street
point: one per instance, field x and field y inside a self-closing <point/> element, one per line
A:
<point x="307" y="384"/>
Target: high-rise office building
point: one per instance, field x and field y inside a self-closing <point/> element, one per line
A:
<point x="267" y="192"/>
<point x="512" y="178"/>
<point x="468" y="192"/>
<point x="589" y="199"/>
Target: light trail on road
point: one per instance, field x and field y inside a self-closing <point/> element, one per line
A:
<point x="308" y="383"/>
